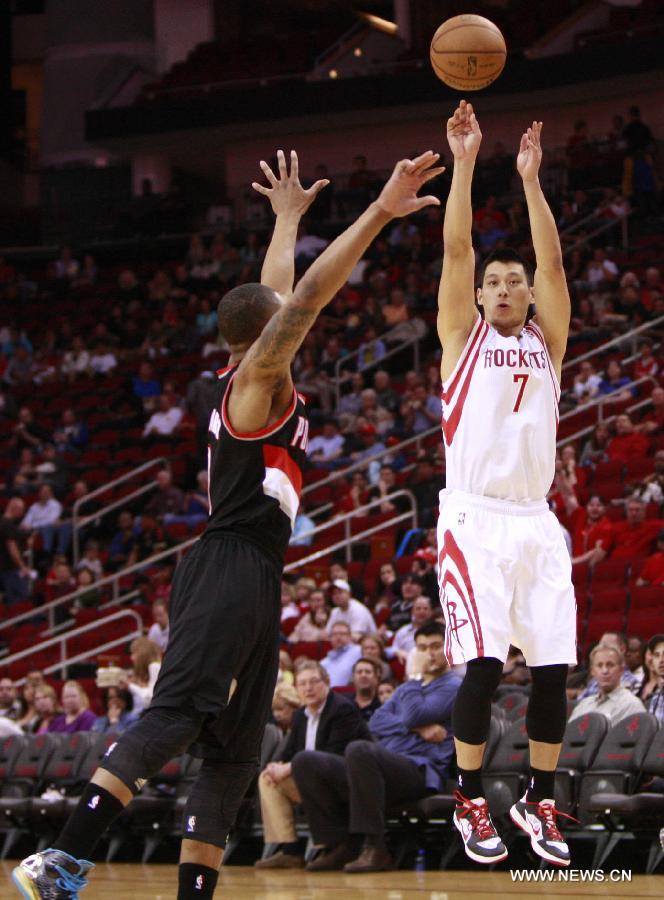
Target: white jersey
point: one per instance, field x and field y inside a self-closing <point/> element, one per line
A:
<point x="500" y="416"/>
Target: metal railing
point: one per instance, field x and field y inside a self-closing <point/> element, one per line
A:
<point x="631" y="334"/>
<point x="79" y="522"/>
<point x="346" y="520"/>
<point x="588" y="429"/>
<point x="114" y="579"/>
<point x="607" y="225"/>
<point x="342" y="361"/>
<point x="74" y="633"/>
<point x="363" y="463"/>
<point x="598" y="403"/>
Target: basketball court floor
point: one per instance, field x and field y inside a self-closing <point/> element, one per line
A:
<point x="118" y="881"/>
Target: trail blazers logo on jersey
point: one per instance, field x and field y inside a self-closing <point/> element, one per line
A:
<point x="283" y="479"/>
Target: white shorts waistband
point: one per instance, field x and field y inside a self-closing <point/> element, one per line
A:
<point x="495" y="505"/>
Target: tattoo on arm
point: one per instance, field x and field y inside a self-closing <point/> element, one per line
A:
<point x="281" y="338"/>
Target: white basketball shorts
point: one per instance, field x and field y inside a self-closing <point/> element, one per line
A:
<point x="504" y="575"/>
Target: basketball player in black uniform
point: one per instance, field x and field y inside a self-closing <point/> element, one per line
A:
<point x="214" y="691"/>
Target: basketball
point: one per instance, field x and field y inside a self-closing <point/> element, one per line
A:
<point x="468" y="52"/>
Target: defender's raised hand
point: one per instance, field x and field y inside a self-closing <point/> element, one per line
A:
<point x="530" y="153"/>
<point x="463" y="132"/>
<point x="399" y="196"/>
<point x="286" y="194"/>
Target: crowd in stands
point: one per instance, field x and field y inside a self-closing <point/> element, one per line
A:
<point x="105" y="367"/>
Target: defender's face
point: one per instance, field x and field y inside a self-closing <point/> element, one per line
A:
<point x="505" y="294"/>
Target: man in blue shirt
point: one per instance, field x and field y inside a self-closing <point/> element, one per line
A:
<point x="346" y="798"/>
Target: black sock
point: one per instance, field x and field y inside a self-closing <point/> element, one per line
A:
<point x="196" y="882"/>
<point x="540" y="786"/>
<point x="470" y="783"/>
<point x="290" y="847"/>
<point x="96" y="810"/>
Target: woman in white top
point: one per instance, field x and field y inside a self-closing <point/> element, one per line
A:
<point x="146" y="662"/>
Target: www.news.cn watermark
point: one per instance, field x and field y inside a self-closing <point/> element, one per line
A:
<point x="574" y="875"/>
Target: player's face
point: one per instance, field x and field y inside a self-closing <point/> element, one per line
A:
<point x="505" y="295"/>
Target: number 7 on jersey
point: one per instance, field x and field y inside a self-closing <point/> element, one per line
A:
<point x="523" y="379"/>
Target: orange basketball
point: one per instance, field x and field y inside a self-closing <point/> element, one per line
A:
<point x="468" y="52"/>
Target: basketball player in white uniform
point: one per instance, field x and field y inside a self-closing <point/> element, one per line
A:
<point x="504" y="571"/>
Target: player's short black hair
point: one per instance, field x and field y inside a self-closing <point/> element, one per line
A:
<point x="429" y="629"/>
<point x="243" y="312"/>
<point x="506" y="255"/>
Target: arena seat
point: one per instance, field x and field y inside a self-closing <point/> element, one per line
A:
<point x="581" y="742"/>
<point x="506" y="774"/>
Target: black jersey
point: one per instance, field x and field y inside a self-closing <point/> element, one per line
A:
<point x="255" y="479"/>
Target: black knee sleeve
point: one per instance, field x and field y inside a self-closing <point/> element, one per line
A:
<point x="471" y="716"/>
<point x="159" y="736"/>
<point x="547" y="708"/>
<point x="214" y="800"/>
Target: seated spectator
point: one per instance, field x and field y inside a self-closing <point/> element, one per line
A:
<point x="91" y="596"/>
<point x="385" y="395"/>
<point x="627" y="680"/>
<point x="43" y="516"/>
<point x="66" y="267"/>
<point x="357" y="495"/>
<point x="647" y="365"/>
<point x="303" y="588"/>
<point x="426" y="485"/>
<point x="327" y="722"/>
<point x="27" y="432"/>
<point x="164" y="422"/>
<point x="404" y="640"/>
<point x="653" y="568"/>
<point x="590" y="528"/>
<point x="346" y="799"/>
<point x="655" y="703"/>
<point x="327" y="447"/>
<point x="374" y="415"/>
<point x="10" y="705"/>
<point x="371" y="349"/>
<point x="91" y="560"/>
<point x="515" y="669"/>
<point x="612" y="700"/>
<point x="206" y="320"/>
<point x="396" y="311"/>
<point x="311" y="381"/>
<point x="351" y="611"/>
<point x="76" y="361"/>
<point x="122" y="543"/>
<point x="653" y="422"/>
<point x="420" y="411"/>
<point x="285" y="703"/>
<point x="103" y="361"/>
<point x="71" y="434"/>
<point x="46" y="709"/>
<point x="76" y="713"/>
<point x="146" y="387"/>
<point x="387" y="484"/>
<point x="285" y="674"/>
<point x="150" y="540"/>
<point x="146" y="663"/>
<point x="351" y="402"/>
<point x="159" y="630"/>
<point x="615" y="383"/>
<point x="628" y="443"/>
<point x="289" y="608"/>
<point x="634" y="657"/>
<point x="28" y="714"/>
<point x="366" y="677"/>
<point x="411" y="589"/>
<point x="195" y="509"/>
<point x="342" y="657"/>
<point x="595" y="449"/>
<point x="636" y="535"/>
<point x="166" y="499"/>
<point x="386" y="690"/>
<point x="586" y="383"/>
<point x="373" y="648"/>
<point x="302" y="533"/>
<point x="651" y="489"/>
<point x="601" y="272"/>
<point x="313" y="624"/>
<point x="118" y="705"/>
<point x="15" y="574"/>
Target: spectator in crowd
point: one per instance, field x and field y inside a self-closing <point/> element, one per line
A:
<point x="385" y="395"/>
<point x="612" y="700"/>
<point x="145" y="658"/>
<point x="307" y="246"/>
<point x="43" y="516"/>
<point x="14" y="572"/>
<point x="289" y="608"/>
<point x="651" y="489"/>
<point x="91" y="560"/>
<point x="159" y="630"/>
<point x="327" y="722"/>
<point x="636" y="134"/>
<point x="76" y="713"/>
<point x="164" y="422"/>
<point x="286" y="669"/>
<point x="366" y="676"/>
<point x="21" y="368"/>
<point x="327" y="447"/>
<point x="167" y="499"/>
<point x="601" y="272"/>
<point x="655" y="702"/>
<point x="627" y="680"/>
<point x="76" y="361"/>
<point x="590" y="527"/>
<point x="151" y="539"/>
<point x="636" y="535"/>
<point x="371" y="349"/>
<point x="88" y="599"/>
<point x="195" y="506"/>
<point x="313" y="624"/>
<point x="146" y="388"/>
<point x="118" y="707"/>
<point x="615" y="383"/>
<point x="351" y="611"/>
<point x="302" y="536"/>
<point x="419" y="411"/>
<point x="653" y="568"/>
<point x="28" y="714"/>
<point x="404" y="640"/>
<point x="10" y="705"/>
<point x="103" y="361"/>
<point x="386" y="690"/>
<point x="653" y="421"/>
<point x="387" y="484"/>
<point x="634" y="657"/>
<point x="346" y="799"/>
<point x="351" y="402"/>
<point x="411" y="589"/>
<point x="647" y="365"/>
<point x="342" y="657"/>
<point x="628" y="442"/>
<point x="122" y="543"/>
<point x="595" y="449"/>
<point x="46" y="708"/>
<point x="285" y="703"/>
<point x="586" y="383"/>
<point x="373" y="648"/>
<point x="426" y="486"/>
<point x="66" y="267"/>
<point x="27" y="432"/>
